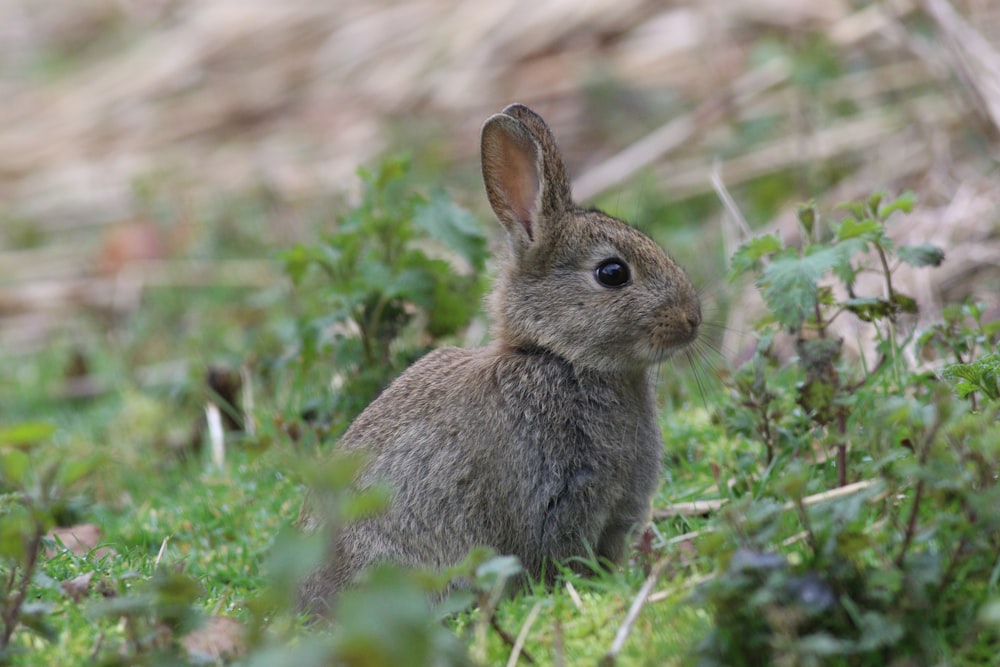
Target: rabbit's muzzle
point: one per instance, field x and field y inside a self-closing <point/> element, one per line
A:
<point x="677" y="326"/>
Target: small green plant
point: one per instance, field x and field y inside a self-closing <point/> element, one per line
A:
<point x="32" y="496"/>
<point x="899" y="568"/>
<point x="399" y="273"/>
<point x="799" y="286"/>
<point x="962" y="335"/>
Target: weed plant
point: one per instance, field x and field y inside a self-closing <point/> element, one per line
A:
<point x="904" y="570"/>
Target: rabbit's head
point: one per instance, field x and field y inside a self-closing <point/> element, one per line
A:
<point x="575" y="282"/>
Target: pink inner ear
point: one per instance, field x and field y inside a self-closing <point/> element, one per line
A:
<point x="520" y="180"/>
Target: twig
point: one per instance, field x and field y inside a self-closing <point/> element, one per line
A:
<point x="731" y="237"/>
<point x="693" y="508"/>
<point x="246" y="380"/>
<point x="12" y="610"/>
<point x="660" y="596"/>
<point x="574" y="596"/>
<point x="911" y="522"/>
<point x="522" y="636"/>
<point x="97" y="648"/>
<point x="161" y="552"/>
<point x="507" y="639"/>
<point x="558" y="649"/>
<point x="216" y="434"/>
<point x="633" y="613"/>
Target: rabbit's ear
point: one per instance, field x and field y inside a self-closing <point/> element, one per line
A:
<point x="524" y="175"/>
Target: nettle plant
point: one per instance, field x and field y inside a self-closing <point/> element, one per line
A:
<point x="900" y="567"/>
<point x="805" y="289"/>
<point x="962" y="335"/>
<point x="398" y="274"/>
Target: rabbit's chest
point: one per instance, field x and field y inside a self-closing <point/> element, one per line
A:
<point x="591" y="453"/>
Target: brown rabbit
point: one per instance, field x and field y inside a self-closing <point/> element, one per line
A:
<point x="544" y="444"/>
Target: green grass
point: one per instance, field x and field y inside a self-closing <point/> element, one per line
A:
<point x="218" y="525"/>
<point x="148" y="490"/>
<point x="190" y="539"/>
<point x="215" y="524"/>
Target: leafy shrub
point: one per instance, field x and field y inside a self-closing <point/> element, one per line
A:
<point x="900" y="568"/>
<point x="399" y="273"/>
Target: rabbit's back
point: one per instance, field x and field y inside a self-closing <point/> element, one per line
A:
<point x="512" y="449"/>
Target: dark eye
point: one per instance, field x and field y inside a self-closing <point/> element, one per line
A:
<point x="613" y="273"/>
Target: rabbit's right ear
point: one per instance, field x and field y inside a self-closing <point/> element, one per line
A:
<point x="514" y="171"/>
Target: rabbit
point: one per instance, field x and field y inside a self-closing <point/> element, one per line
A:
<point x="545" y="443"/>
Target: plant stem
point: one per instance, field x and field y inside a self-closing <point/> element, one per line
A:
<point x="911" y="522"/>
<point x="888" y="273"/>
<point x="842" y="449"/>
<point x="13" y="608"/>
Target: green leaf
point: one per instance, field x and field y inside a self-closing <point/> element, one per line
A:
<point x="905" y="203"/>
<point x="26" y="433"/>
<point x="15" y="531"/>
<point x="13" y="465"/>
<point x="789" y="284"/>
<point x="869" y="309"/>
<point x="856" y="209"/>
<point x="387" y="621"/>
<point x="904" y="303"/>
<point x="74" y="470"/>
<point x="750" y="253"/>
<point x="850" y="228"/>
<point x="807" y="218"/>
<point x="497" y="570"/>
<point x="37" y="616"/>
<point x="924" y="254"/>
<point x="453" y="306"/>
<point x="457" y="228"/>
<point x="366" y="503"/>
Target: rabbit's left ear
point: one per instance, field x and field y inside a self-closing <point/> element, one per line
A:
<point x="524" y="174"/>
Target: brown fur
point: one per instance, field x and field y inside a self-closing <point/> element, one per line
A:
<point x="544" y="444"/>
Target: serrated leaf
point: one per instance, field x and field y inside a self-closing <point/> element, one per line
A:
<point x="868" y="308"/>
<point x="924" y="254"/>
<point x="851" y="227"/>
<point x="789" y="284"/>
<point x="904" y="303"/>
<point x="452" y="309"/>
<point x="456" y="227"/>
<point x="856" y="209"/>
<point x="750" y="253"/>
<point x="904" y="202"/>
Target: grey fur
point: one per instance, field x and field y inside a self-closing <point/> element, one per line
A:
<point x="545" y="443"/>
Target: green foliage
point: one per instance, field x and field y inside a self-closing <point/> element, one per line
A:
<point x="894" y="570"/>
<point x="32" y="490"/>
<point x="399" y="273"/>
<point x="975" y="347"/>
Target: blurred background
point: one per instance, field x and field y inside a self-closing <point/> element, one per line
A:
<point x="161" y="151"/>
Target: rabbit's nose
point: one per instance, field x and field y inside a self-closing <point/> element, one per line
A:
<point x="694" y="319"/>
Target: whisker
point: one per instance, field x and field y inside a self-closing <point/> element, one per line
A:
<point x="699" y="381"/>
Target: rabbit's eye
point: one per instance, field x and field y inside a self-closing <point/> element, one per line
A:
<point x="613" y="273"/>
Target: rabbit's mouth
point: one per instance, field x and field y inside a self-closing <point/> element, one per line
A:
<point x="675" y="328"/>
